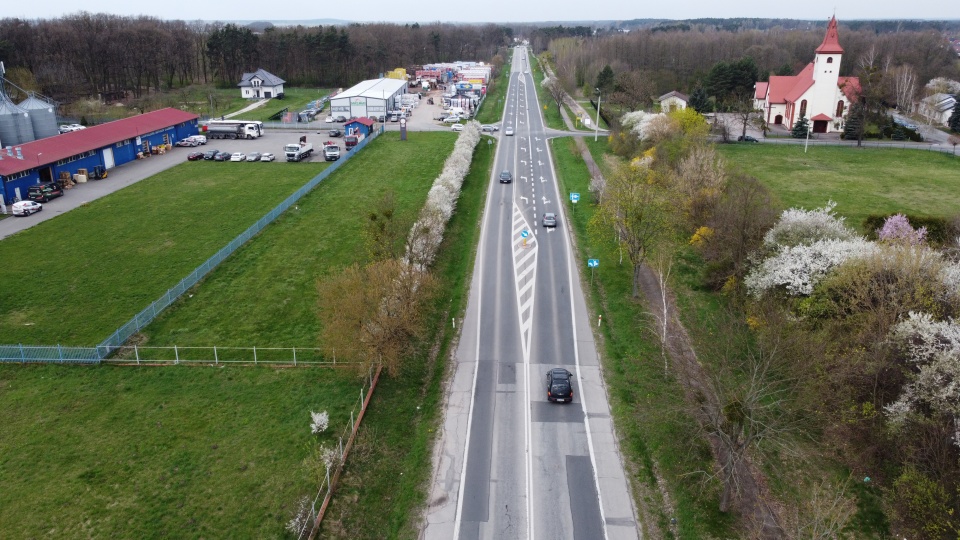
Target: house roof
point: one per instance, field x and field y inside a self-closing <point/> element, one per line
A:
<point x="940" y="102"/>
<point x="831" y="41"/>
<point x="373" y="88"/>
<point x="269" y="79"/>
<point x="51" y="149"/>
<point x="822" y="116"/>
<point x="674" y="93"/>
<point x="761" y="90"/>
<point x="787" y="88"/>
<point x="362" y="120"/>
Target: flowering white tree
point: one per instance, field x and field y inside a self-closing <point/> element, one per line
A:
<point x="799" y="268"/>
<point x="933" y="352"/>
<point x="942" y="85"/>
<point x="800" y="226"/>
<point x="427" y="233"/>
<point x="320" y="422"/>
<point x="640" y="123"/>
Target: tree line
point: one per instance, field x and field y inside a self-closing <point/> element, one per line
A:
<point x="90" y="54"/>
<point x="649" y="63"/>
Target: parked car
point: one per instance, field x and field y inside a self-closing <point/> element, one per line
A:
<point x="329" y="119"/>
<point x="341" y="119"/>
<point x="506" y="177"/>
<point x="202" y="139"/>
<point x="335" y="133"/>
<point x="452" y="118"/>
<point x="509" y="131"/>
<point x="238" y="156"/>
<point x="187" y="142"/>
<point x="381" y="119"/>
<point x="457" y="127"/>
<point x="44" y="192"/>
<point x="25" y="208"/>
<point x="194" y="156"/>
<point x="489" y="128"/>
<point x="67" y="128"/>
<point x="253" y="156"/>
<point x="222" y="156"/>
<point x="549" y="219"/>
<point x="559" y="385"/>
<point x="747" y="138"/>
<point x="267" y="156"/>
<point x="210" y="154"/>
<point x="395" y="118"/>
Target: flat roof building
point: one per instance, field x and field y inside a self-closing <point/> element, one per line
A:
<point x="371" y="98"/>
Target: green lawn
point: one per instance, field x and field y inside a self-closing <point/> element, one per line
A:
<point x="492" y="110"/>
<point x="90" y="270"/>
<point x="551" y="114"/>
<point x="205" y="452"/>
<point x="647" y="404"/>
<point x="174" y="452"/>
<point x="862" y="181"/>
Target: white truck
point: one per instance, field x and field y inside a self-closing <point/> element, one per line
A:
<point x="298" y="151"/>
<point x="234" y="129"/>
<point x="331" y="152"/>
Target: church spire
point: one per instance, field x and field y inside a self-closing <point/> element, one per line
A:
<point x="831" y="41"/>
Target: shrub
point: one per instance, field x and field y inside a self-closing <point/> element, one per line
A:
<point x="896" y="229"/>
<point x="922" y="506"/>
<point x="939" y="230"/>
<point x="798" y="269"/>
<point x="799" y="226"/>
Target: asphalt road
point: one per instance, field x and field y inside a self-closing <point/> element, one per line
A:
<point x="509" y="463"/>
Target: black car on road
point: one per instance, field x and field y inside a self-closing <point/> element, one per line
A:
<point x="210" y="154"/>
<point x="559" y="385"/>
<point x="747" y="138"/>
<point x="506" y="177"/>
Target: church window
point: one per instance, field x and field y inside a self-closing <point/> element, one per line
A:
<point x="803" y="108"/>
<point x="829" y="59"/>
<point x="839" y="108"/>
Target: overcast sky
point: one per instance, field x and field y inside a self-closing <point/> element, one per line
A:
<point x="491" y="10"/>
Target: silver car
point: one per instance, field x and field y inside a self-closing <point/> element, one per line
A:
<point x="267" y="156"/>
<point x="509" y="131"/>
<point x="253" y="156"/>
<point x="549" y="220"/>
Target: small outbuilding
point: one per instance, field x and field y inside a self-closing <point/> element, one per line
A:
<point x="359" y="125"/>
<point x="261" y="84"/>
<point x="673" y="101"/>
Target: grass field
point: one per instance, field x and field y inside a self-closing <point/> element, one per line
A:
<point x="205" y="452"/>
<point x="862" y="181"/>
<point x="646" y="403"/>
<point x="90" y="270"/>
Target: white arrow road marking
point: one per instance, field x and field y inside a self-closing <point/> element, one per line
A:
<point x="545" y="201"/>
<point x="525" y="200"/>
<point x="542" y="179"/>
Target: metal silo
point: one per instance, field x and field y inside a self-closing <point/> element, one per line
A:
<point x="15" y="125"/>
<point x="43" y="117"/>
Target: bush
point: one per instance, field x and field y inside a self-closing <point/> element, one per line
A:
<point x="922" y="506"/>
<point x="939" y="230"/>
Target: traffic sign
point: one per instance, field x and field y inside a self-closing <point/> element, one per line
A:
<point x="524" y="233"/>
<point x="574" y="197"/>
<point x="593" y="263"/>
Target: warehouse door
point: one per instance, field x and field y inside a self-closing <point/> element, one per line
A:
<point x="108" y="158"/>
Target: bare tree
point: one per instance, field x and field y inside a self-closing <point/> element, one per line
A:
<point x="743" y="110"/>
<point x="556" y="91"/>
<point x="904" y="80"/>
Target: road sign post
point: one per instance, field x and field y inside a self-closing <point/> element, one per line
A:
<point x="574" y="199"/>
<point x="524" y="234"/>
<point x="592" y="263"/>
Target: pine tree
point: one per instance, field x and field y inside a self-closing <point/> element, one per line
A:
<point x="954" y="121"/>
<point x="606" y="79"/>
<point x="898" y="133"/>
<point x="800" y="128"/>
<point x="699" y="100"/>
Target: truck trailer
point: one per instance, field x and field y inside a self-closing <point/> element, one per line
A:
<point x="298" y="151"/>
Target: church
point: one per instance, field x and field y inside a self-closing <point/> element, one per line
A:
<point x="818" y="92"/>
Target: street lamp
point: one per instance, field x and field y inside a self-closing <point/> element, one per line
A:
<point x="38" y="166"/>
<point x="596" y="128"/>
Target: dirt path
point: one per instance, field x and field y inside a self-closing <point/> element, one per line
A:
<point x="753" y="494"/>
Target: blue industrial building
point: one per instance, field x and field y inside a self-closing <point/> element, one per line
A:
<point x="106" y="145"/>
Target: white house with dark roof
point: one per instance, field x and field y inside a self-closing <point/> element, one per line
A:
<point x="261" y="84"/>
<point x="937" y="108"/>
<point x="673" y="101"/>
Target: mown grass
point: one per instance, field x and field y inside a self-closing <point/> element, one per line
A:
<point x="551" y="114"/>
<point x="90" y="270"/>
<point x="862" y="181"/>
<point x="387" y="480"/>
<point x="177" y="452"/>
<point x="646" y="402"/>
<point x="230" y="462"/>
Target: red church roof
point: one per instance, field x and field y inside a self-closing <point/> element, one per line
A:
<point x="51" y="149"/>
<point x="787" y="88"/>
<point x="850" y="87"/>
<point x="761" y="90"/>
<point x="831" y="41"/>
<point x="822" y="116"/>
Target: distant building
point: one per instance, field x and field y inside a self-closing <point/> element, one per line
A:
<point x="937" y="108"/>
<point x="673" y="101"/>
<point x="261" y="84"/>
<point x="817" y="92"/>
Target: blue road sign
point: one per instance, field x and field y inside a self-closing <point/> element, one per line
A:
<point x="574" y="197"/>
<point x="593" y="263"/>
<point x="524" y="233"/>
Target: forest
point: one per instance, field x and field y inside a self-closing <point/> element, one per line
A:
<point x="86" y="54"/>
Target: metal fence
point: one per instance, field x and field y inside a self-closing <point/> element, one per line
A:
<point x="58" y="354"/>
<point x="943" y="148"/>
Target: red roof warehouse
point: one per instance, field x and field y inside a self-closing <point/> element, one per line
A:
<point x="107" y="145"/>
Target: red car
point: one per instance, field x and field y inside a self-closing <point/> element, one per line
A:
<point x="194" y="156"/>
